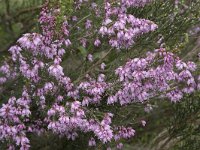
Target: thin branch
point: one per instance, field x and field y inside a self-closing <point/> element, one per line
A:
<point x="31" y="9"/>
<point x="7" y="3"/>
<point x="80" y="21"/>
<point x="93" y="66"/>
<point x="27" y="10"/>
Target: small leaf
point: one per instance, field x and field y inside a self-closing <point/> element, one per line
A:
<point x="83" y="51"/>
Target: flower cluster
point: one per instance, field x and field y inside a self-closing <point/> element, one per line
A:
<point x="52" y="102"/>
<point x="123" y="31"/>
<point x="94" y="90"/>
<point x="5" y="69"/>
<point x="135" y="3"/>
<point x="13" y="117"/>
<point x="160" y="74"/>
<point x="124" y="133"/>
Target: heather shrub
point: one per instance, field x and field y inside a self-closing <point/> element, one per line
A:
<point x="92" y="72"/>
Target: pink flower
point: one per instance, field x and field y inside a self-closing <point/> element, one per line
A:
<point x="56" y="70"/>
<point x="90" y="57"/>
<point x="143" y="123"/>
<point x="97" y="42"/>
<point x="92" y="142"/>
<point x="88" y="24"/>
<point x="103" y="65"/>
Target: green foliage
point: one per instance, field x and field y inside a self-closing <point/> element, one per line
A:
<point x="15" y="20"/>
<point x="185" y="123"/>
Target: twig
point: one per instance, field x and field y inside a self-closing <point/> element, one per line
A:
<point x="27" y="10"/>
<point x="31" y="9"/>
<point x="80" y="21"/>
<point x="92" y="67"/>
